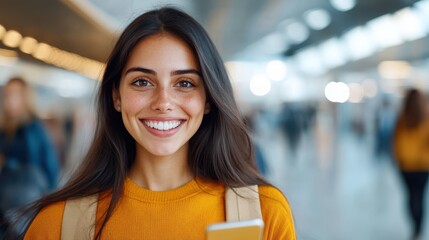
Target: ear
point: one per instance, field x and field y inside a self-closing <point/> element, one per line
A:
<point x="207" y="108"/>
<point x="116" y="99"/>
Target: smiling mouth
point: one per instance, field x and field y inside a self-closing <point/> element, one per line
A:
<point x="162" y="125"/>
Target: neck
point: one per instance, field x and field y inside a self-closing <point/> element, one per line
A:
<point x="11" y="127"/>
<point x="160" y="173"/>
<point x="12" y="123"/>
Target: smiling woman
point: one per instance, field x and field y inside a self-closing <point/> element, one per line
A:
<point x="162" y="101"/>
<point x="170" y="145"/>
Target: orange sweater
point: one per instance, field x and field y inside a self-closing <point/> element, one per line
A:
<point x="411" y="146"/>
<point x="182" y="213"/>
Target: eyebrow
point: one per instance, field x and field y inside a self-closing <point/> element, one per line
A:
<point x="185" y="71"/>
<point x="152" y="72"/>
<point x="140" y="69"/>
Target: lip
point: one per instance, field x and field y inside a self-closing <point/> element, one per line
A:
<point x="162" y="133"/>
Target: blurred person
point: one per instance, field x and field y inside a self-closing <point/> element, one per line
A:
<point x="291" y="124"/>
<point x="411" y="149"/>
<point x="309" y="117"/>
<point x="357" y="121"/>
<point x="28" y="160"/>
<point x="170" y="143"/>
<point x="385" y="121"/>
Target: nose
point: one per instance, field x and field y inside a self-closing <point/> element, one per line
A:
<point x="162" y="100"/>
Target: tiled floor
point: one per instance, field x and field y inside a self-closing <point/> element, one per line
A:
<point x="338" y="189"/>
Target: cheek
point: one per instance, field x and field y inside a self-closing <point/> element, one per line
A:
<point x="132" y="102"/>
<point x="195" y="105"/>
<point x="14" y="103"/>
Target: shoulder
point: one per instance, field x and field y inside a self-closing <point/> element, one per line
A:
<point x="47" y="223"/>
<point x="36" y="125"/>
<point x="276" y="213"/>
<point x="272" y="197"/>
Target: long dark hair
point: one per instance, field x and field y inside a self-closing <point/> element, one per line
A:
<point x="413" y="110"/>
<point x="220" y="150"/>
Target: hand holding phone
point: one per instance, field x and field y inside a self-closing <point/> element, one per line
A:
<point x="244" y="230"/>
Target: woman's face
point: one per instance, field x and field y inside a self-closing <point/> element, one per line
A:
<point x="161" y="95"/>
<point x="14" y="101"/>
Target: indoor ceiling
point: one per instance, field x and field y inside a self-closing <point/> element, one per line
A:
<point x="90" y="28"/>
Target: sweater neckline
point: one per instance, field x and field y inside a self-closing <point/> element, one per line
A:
<point x="187" y="190"/>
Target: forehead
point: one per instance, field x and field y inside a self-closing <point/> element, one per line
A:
<point x="161" y="51"/>
<point x="14" y="86"/>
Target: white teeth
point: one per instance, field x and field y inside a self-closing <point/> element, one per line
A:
<point x="163" y="126"/>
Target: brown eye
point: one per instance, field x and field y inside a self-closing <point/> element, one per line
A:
<point x="142" y="83"/>
<point x="185" y="84"/>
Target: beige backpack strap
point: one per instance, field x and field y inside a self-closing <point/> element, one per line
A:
<point x="243" y="204"/>
<point x="79" y="218"/>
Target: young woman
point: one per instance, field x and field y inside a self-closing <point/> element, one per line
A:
<point x="411" y="149"/>
<point x="169" y="141"/>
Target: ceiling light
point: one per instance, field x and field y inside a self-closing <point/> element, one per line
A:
<point x="260" y="85"/>
<point x="317" y="19"/>
<point x="337" y="92"/>
<point x="332" y="51"/>
<point x="394" y="69"/>
<point x="92" y="68"/>
<point x="2" y="31"/>
<point x="48" y="54"/>
<point x="309" y="61"/>
<point x="28" y="45"/>
<point x="410" y="24"/>
<point x="384" y="31"/>
<point x="274" y="43"/>
<point x="297" y="32"/>
<point x="356" y="92"/>
<point x="343" y="92"/>
<point x="343" y="5"/>
<point x="358" y="44"/>
<point x="42" y="51"/>
<point x="422" y="7"/>
<point x="12" y="38"/>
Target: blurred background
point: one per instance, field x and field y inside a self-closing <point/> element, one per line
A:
<point x="320" y="82"/>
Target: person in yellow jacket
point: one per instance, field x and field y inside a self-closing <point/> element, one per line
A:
<point x="169" y="140"/>
<point x="411" y="149"/>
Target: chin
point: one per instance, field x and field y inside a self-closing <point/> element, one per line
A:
<point x="163" y="152"/>
<point x="164" y="149"/>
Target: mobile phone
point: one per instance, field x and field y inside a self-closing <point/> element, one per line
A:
<point x="244" y="230"/>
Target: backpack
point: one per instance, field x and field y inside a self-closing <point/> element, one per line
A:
<point x="79" y="214"/>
